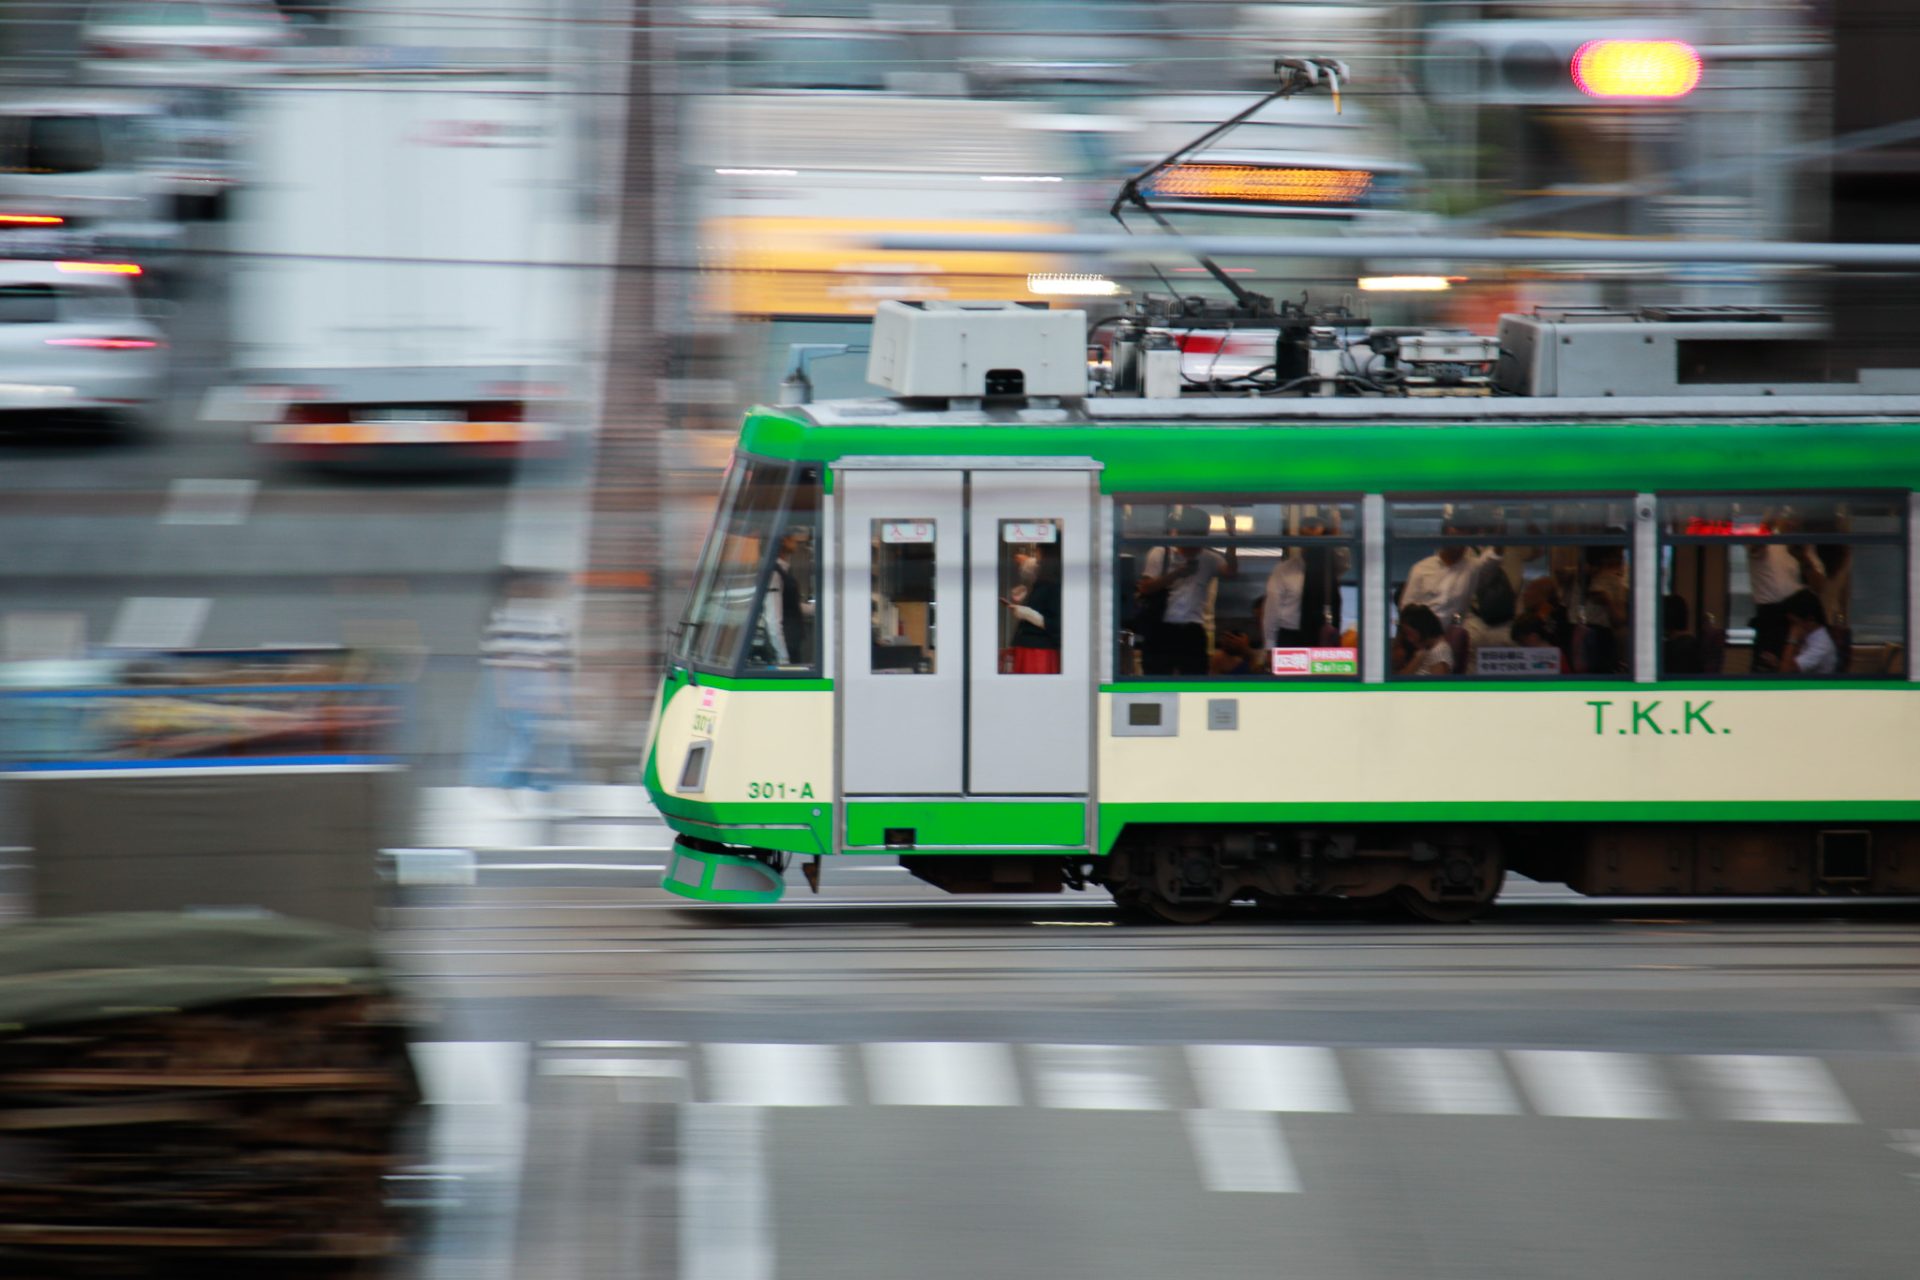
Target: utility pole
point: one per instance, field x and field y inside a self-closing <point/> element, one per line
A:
<point x="620" y="607"/>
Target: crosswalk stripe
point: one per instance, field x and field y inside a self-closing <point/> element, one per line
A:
<point x="1093" y="1077"/>
<point x="1456" y="1082"/>
<point x="1589" y="1085"/>
<point x="776" y="1075"/>
<point x="1268" y="1077"/>
<point x="1241" y="1151"/>
<point x="942" y="1074"/>
<point x="725" y="1211"/>
<point x="1775" y="1088"/>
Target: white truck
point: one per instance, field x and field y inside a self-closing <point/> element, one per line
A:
<point x="407" y="278"/>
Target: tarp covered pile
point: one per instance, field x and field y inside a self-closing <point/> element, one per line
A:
<point x="195" y="1089"/>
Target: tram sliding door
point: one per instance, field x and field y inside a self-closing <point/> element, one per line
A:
<point x="1030" y="613"/>
<point x="967" y="631"/>
<point x="902" y="678"/>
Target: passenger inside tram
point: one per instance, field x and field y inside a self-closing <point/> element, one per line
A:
<point x="1810" y="649"/>
<point x="1303" y="591"/>
<point x="1421" y="648"/>
<point x="1176" y="583"/>
<point x="1531" y="632"/>
<point x="1680" y="652"/>
<point x="1743" y="559"/>
<point x="1490" y="615"/>
<point x="1030" y="597"/>
<point x="1444" y="581"/>
<point x="787" y="614"/>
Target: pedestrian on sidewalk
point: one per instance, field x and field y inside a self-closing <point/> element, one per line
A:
<point x="522" y="724"/>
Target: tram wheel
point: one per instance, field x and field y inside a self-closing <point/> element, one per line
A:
<point x="1445" y="911"/>
<point x="1167" y="911"/>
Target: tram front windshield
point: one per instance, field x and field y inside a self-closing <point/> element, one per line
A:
<point x="766" y="508"/>
<point x="716" y="623"/>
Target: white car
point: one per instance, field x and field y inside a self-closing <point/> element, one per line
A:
<point x="74" y="344"/>
<point x="180" y="42"/>
<point x="82" y="162"/>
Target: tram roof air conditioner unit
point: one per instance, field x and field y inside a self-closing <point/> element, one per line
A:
<point x="958" y="350"/>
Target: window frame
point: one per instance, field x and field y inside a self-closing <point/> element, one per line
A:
<point x="796" y="474"/>
<point x="1390" y="609"/>
<point x="1900" y="540"/>
<point x="1350" y="537"/>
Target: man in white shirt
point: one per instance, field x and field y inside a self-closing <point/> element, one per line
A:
<point x="1179" y="645"/>
<point x="1776" y="571"/>
<point x="1303" y="591"/>
<point x="1444" y="582"/>
<point x="786" y="613"/>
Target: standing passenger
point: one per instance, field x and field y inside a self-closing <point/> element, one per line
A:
<point x="1179" y="644"/>
<point x="1775" y="571"/>
<point x="1444" y="581"/>
<point x="1035" y="603"/>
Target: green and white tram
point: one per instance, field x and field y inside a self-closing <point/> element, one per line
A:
<point x="1389" y="622"/>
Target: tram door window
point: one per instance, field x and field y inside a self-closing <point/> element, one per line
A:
<point x="905" y="621"/>
<point x="1032" y="623"/>
<point x="1243" y="589"/>
<point x="1768" y="585"/>
<point x="1522" y="588"/>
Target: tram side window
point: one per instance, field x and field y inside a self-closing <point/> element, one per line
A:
<point x="1238" y="588"/>
<point x="905" y="618"/>
<point x="716" y="626"/>
<point x="1784" y="585"/>
<point x="1522" y="588"/>
<point x="1031" y="621"/>
<point x="786" y="633"/>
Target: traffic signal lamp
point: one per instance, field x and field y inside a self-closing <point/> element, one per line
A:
<point x="1526" y="62"/>
<point x="1636" y="68"/>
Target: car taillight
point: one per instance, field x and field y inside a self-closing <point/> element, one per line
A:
<point x="107" y="344"/>
<point x="30" y="220"/>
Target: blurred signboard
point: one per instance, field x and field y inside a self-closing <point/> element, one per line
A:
<point x="776" y="266"/>
<point x="281" y="706"/>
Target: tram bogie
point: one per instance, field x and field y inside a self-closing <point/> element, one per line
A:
<point x="1368" y="634"/>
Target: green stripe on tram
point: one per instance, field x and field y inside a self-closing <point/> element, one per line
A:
<point x="1403" y="457"/>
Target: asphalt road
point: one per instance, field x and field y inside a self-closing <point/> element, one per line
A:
<point x="885" y="1083"/>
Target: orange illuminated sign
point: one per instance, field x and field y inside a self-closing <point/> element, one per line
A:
<point x="1636" y="68"/>
<point x="775" y="266"/>
<point x="1260" y="184"/>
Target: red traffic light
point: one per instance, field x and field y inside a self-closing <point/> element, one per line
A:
<point x="1636" y="68"/>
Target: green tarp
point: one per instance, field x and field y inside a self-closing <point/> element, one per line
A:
<point x="85" y="968"/>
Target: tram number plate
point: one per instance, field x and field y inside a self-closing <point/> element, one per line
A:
<point x="1316" y="662"/>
